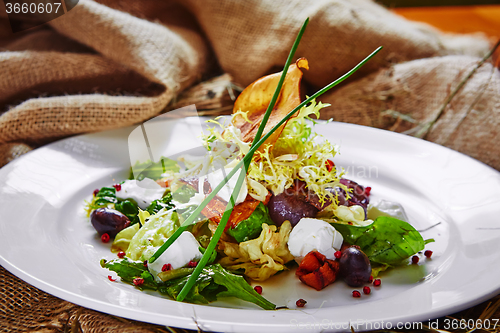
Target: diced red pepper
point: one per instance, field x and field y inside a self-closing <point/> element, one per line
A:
<point x="316" y="271"/>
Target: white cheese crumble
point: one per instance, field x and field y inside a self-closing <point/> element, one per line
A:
<point x="314" y="235"/>
<point x="179" y="254"/>
<point x="386" y="208"/>
<point x="144" y="192"/>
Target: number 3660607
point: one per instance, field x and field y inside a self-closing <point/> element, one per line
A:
<point x="470" y="324"/>
<point x="32" y="8"/>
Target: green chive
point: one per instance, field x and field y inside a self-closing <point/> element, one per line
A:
<point x="252" y="150"/>
<point x="245" y="162"/>
<point x="248" y="158"/>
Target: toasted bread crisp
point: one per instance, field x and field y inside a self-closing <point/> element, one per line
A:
<point x="255" y="99"/>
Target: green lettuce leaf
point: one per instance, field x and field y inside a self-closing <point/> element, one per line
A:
<point x="129" y="208"/>
<point x="386" y="241"/>
<point x="128" y="270"/>
<point x="123" y="238"/>
<point x="152" y="170"/>
<point x="106" y="197"/>
<point x="159" y="204"/>
<point x="153" y="233"/>
<point x="251" y="227"/>
<point x="183" y="193"/>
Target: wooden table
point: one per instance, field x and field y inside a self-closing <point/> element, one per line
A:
<point x="461" y="19"/>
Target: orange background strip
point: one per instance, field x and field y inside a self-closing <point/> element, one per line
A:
<point x="459" y="19"/>
<point x="462" y="19"/>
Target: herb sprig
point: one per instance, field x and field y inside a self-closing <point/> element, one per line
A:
<point x="243" y="165"/>
<point x="246" y="160"/>
<point x="241" y="178"/>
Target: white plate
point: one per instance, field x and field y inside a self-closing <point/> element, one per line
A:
<point x="46" y="240"/>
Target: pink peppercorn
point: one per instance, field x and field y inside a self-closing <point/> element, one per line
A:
<point x="138" y="281"/>
<point x="301" y="303"/>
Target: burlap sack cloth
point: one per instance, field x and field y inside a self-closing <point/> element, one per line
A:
<point x="111" y="64"/>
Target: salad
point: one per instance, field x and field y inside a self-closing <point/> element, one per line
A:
<point x="295" y="210"/>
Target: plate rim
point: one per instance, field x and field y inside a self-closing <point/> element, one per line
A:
<point x="133" y="314"/>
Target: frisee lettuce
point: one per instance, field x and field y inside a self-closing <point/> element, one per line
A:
<point x="298" y="154"/>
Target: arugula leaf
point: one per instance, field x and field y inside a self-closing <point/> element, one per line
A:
<point x="152" y="170"/>
<point x="386" y="241"/>
<point x="238" y="287"/>
<point x="213" y="282"/>
<point x="199" y="294"/>
<point x="128" y="270"/>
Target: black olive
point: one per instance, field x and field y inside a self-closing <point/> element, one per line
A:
<point x="108" y="221"/>
<point x="355" y="267"/>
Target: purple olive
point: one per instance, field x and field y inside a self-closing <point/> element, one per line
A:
<point x="108" y="221"/>
<point x="355" y="267"/>
<point x="284" y="207"/>
<point x="293" y="204"/>
<point x="360" y="195"/>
